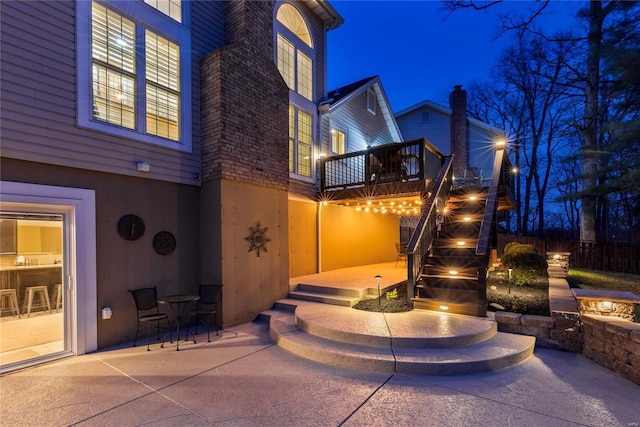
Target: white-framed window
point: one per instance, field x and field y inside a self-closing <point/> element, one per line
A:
<point x="134" y="72"/>
<point x="300" y="141"/>
<point x="294" y="50"/>
<point x="338" y="141"/>
<point x="371" y="101"/>
<point x="172" y="8"/>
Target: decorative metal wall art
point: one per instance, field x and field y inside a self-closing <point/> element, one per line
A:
<point x="258" y="239"/>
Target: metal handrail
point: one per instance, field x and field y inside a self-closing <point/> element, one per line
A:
<point x="425" y="232"/>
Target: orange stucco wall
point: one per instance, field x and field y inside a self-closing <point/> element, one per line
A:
<point x="350" y="238"/>
<point x="302" y="237"/>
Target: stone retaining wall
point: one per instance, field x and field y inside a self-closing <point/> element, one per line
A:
<point x="562" y="330"/>
<point x="609" y="341"/>
<point x="613" y="343"/>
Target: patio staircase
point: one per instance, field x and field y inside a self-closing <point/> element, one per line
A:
<point x="417" y="342"/>
<point x="453" y="276"/>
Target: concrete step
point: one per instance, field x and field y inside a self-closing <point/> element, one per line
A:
<point x="417" y="342"/>
<point x="463" y="302"/>
<point x="333" y="296"/>
<point x="344" y="301"/>
<point x="318" y="289"/>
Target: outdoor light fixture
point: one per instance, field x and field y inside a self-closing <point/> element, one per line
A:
<point x="510" y="271"/>
<point x="378" y="277"/>
<point x="472" y="197"/>
<point x="444" y="307"/>
<point x="143" y="167"/>
<point x="605" y="306"/>
<point x="501" y="143"/>
<point x="467" y="218"/>
<point x="460" y="243"/>
<point x="453" y="272"/>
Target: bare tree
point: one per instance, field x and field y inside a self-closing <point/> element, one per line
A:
<point x="588" y="78"/>
<point x="528" y="99"/>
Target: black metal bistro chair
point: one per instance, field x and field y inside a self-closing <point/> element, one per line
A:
<point x="148" y="312"/>
<point x="206" y="309"/>
<point x="401" y="253"/>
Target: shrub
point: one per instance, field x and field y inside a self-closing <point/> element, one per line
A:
<point x="509" y="246"/>
<point x="514" y="247"/>
<point x="526" y="262"/>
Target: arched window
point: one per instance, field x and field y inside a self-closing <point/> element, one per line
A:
<point x="291" y="18"/>
<point x="295" y="56"/>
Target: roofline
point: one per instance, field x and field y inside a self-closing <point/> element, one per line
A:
<point x="447" y="111"/>
<point x="330" y="17"/>
<point x="421" y="104"/>
<point x="366" y="85"/>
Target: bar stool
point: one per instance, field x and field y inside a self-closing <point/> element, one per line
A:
<point x="57" y="291"/>
<point x="13" y="300"/>
<point x="44" y="297"/>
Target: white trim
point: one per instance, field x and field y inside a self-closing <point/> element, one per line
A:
<point x="141" y="14"/>
<point x="298" y="45"/>
<point x="78" y="207"/>
<point x="371" y="96"/>
<point x="376" y="84"/>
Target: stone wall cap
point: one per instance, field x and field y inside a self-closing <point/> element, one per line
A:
<point x="614" y="296"/>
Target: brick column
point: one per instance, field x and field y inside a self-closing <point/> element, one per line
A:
<point x="244" y="105"/>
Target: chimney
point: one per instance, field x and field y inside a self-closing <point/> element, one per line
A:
<point x="459" y="147"/>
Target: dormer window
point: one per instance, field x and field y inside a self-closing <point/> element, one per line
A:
<point x="295" y="54"/>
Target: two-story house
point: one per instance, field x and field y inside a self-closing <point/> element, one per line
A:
<point x="157" y="143"/>
<point x="168" y="144"/>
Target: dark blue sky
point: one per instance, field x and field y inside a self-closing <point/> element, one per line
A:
<point x="419" y="52"/>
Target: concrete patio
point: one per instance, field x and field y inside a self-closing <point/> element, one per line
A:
<point x="242" y="379"/>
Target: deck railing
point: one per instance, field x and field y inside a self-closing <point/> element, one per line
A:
<point x="391" y="163"/>
<point x="425" y="231"/>
<point x="487" y="235"/>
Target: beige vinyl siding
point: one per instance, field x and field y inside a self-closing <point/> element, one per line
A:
<point x="436" y="130"/>
<point x="319" y="77"/>
<point x="206" y="35"/>
<point x="39" y="108"/>
<point x="362" y="128"/>
<point x="481" y="149"/>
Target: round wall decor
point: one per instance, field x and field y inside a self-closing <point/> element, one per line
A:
<point x="164" y="243"/>
<point x="130" y="227"/>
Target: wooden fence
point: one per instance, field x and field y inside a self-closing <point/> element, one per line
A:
<point x="614" y="257"/>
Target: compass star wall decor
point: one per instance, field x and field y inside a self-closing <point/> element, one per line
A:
<point x="258" y="239"/>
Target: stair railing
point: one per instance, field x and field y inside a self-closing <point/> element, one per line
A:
<point x="425" y="232"/>
<point x="488" y="219"/>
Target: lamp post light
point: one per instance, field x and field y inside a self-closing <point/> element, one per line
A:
<point x="378" y="277"/>
<point x="510" y="271"/>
